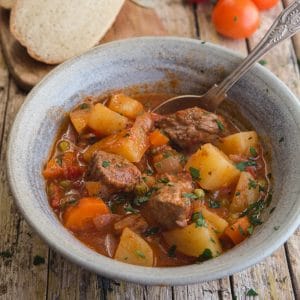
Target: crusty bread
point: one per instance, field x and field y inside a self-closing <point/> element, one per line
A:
<point x="55" y="30"/>
<point x="7" y="3"/>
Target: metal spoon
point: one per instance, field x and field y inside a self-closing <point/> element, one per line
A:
<point x="285" y="26"/>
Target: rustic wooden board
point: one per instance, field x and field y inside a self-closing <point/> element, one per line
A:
<point x="132" y="21"/>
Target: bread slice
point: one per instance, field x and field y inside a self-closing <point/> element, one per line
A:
<point x="55" y="30"/>
<point x="7" y="3"/>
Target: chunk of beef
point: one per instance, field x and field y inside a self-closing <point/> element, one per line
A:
<point x="114" y="172"/>
<point x="189" y="128"/>
<point x="168" y="206"/>
<point x="135" y="222"/>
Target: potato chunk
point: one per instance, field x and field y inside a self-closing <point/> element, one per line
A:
<point x="131" y="143"/>
<point x="193" y="241"/>
<point x="132" y="249"/>
<point x="105" y="121"/>
<point x="125" y="106"/>
<point x="246" y="193"/>
<point x="217" y="222"/>
<point x="239" y="143"/>
<point x="79" y="119"/>
<point x="215" y="169"/>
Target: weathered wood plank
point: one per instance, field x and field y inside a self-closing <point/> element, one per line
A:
<point x="296" y="38"/>
<point x="271" y="278"/>
<point x="20" y="276"/>
<point x="68" y="281"/>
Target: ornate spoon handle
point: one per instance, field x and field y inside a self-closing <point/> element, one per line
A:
<point x="285" y="26"/>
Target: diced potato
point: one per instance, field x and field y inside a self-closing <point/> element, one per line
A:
<point x="239" y="143"/>
<point x="126" y="106"/>
<point x="79" y="119"/>
<point x="105" y="121"/>
<point x="133" y="249"/>
<point x="215" y="169"/>
<point x="216" y="221"/>
<point x="131" y="143"/>
<point x="192" y="240"/>
<point x="246" y="193"/>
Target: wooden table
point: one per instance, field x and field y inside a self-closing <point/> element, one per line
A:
<point x="30" y="270"/>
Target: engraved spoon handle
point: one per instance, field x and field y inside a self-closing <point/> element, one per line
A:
<point x="285" y="26"/>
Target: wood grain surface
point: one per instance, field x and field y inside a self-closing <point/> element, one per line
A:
<point x="21" y="277"/>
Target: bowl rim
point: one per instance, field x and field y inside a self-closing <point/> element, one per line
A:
<point x="278" y="237"/>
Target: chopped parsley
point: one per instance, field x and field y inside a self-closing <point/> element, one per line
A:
<point x="172" y="250"/>
<point x="212" y="240"/>
<point x="140" y="254"/>
<point x="149" y="172"/>
<point x="38" y="260"/>
<point x="250" y="229"/>
<point x="140" y="200"/>
<point x="213" y="203"/>
<point x="253" y="212"/>
<point x="129" y="209"/>
<point x="244" y="164"/>
<point x="58" y="160"/>
<point x="241" y="230"/>
<point x="195" y="173"/>
<point x="252" y="184"/>
<point x="253" y="151"/>
<point x="198" y="219"/>
<point x="190" y="195"/>
<point x="105" y="164"/>
<point x="151" y="231"/>
<point x="220" y="125"/>
<point x="251" y="292"/>
<point x="263" y="62"/>
<point x="207" y="254"/>
<point x="163" y="180"/>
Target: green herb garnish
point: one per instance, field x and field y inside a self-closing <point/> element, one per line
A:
<point x="105" y="164"/>
<point x="140" y="200"/>
<point x="189" y="195"/>
<point x="263" y="62"/>
<point x="252" y="184"/>
<point x="241" y="230"/>
<point x="195" y="173"/>
<point x="253" y="151"/>
<point x="250" y="229"/>
<point x="140" y="254"/>
<point x="151" y="231"/>
<point x="213" y="203"/>
<point x="172" y="250"/>
<point x="207" y="254"/>
<point x="163" y="180"/>
<point x="220" y="125"/>
<point x="198" y="219"/>
<point x="244" y="164"/>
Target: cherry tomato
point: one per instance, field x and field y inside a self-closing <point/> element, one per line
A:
<point x="265" y="4"/>
<point x="236" y="18"/>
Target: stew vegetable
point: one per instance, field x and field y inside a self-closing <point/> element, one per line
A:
<point x="155" y="190"/>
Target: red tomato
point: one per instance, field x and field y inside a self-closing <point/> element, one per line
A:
<point x="265" y="4"/>
<point x="236" y="18"/>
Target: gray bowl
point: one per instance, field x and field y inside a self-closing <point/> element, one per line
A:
<point x="173" y="65"/>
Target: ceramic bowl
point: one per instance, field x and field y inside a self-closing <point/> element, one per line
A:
<point x="173" y="65"/>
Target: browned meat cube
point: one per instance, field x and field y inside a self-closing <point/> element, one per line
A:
<point x="168" y="206"/>
<point x="135" y="222"/>
<point x="114" y="172"/>
<point x="189" y="128"/>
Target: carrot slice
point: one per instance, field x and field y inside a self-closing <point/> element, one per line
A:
<point x="238" y="231"/>
<point x="157" y="138"/>
<point x="80" y="216"/>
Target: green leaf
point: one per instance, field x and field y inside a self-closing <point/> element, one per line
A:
<point x="105" y="164"/>
<point x="253" y="151"/>
<point x="190" y="195"/>
<point x="198" y="219"/>
<point x="195" y="173"/>
<point x="207" y="254"/>
<point x="213" y="204"/>
<point x="242" y="165"/>
<point x="140" y="254"/>
<point x="220" y="125"/>
<point x="263" y="62"/>
<point x="252" y="184"/>
<point x="250" y="229"/>
<point x="172" y="250"/>
<point x="151" y="231"/>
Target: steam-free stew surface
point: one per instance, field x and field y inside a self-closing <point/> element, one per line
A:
<point x="155" y="190"/>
